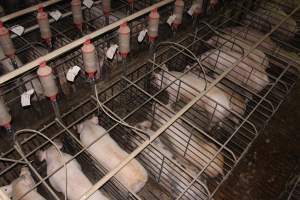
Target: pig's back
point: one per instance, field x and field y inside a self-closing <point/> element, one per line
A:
<point x="106" y="148"/>
<point x="109" y="154"/>
<point x="19" y="190"/>
<point x="79" y="184"/>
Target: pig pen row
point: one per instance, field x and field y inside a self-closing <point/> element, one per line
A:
<point x="209" y="139"/>
<point x="30" y="44"/>
<point x="68" y="91"/>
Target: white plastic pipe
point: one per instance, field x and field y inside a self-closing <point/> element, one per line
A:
<point x="27" y="10"/>
<point x="80" y="41"/>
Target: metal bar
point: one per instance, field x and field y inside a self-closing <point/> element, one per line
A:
<point x="27" y="10"/>
<point x="80" y="41"/>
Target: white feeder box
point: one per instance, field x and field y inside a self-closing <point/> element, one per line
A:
<point x="77" y="13"/>
<point x="47" y="80"/>
<point x="153" y="24"/>
<point x="5" y="117"/>
<point x="6" y="42"/>
<point x="90" y="59"/>
<point x="43" y="21"/>
<point x="178" y="12"/>
<point x="124" y="40"/>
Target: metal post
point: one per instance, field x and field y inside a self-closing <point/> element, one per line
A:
<point x="56" y="108"/>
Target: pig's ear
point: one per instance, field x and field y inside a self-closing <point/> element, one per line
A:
<point x="24" y="171"/>
<point x="95" y="120"/>
<point x="145" y="125"/>
<point x="79" y="128"/>
<point x="41" y="155"/>
<point x="164" y="67"/>
<point x="7" y="190"/>
<point x="58" y="144"/>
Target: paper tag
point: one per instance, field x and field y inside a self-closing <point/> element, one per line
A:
<point x="88" y="3"/>
<point x="56" y="15"/>
<point x="25" y="98"/>
<point x="171" y="19"/>
<point x="17" y="29"/>
<point x="191" y="11"/>
<point x="111" y="51"/>
<point x="72" y="73"/>
<point x="142" y="35"/>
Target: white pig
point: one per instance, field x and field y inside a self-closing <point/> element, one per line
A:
<point x="20" y="186"/>
<point x="77" y="182"/>
<point x="250" y="72"/>
<point x="217" y="103"/>
<point x="109" y="154"/>
<point x="199" y="151"/>
<point x="181" y="180"/>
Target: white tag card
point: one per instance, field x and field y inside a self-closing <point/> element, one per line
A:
<point x="56" y="15"/>
<point x="88" y="3"/>
<point x="142" y="35"/>
<point x="171" y="19"/>
<point x="25" y="98"/>
<point x="72" y="73"/>
<point x="111" y="51"/>
<point x="17" y="29"/>
<point x="191" y="11"/>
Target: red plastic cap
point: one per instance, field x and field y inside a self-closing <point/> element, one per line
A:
<point x="124" y="24"/>
<point x="130" y="1"/>
<point x="7" y="126"/>
<point x="53" y="98"/>
<point x="154" y="10"/>
<point x="1" y="24"/>
<point x="43" y="64"/>
<point x="41" y="8"/>
<point x="87" y="42"/>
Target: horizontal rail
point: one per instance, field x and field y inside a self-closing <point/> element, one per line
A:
<point x="27" y="10"/>
<point x="79" y="42"/>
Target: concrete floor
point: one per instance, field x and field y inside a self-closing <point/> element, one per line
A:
<point x="272" y="159"/>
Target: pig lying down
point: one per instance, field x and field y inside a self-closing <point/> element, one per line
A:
<point x="109" y="154"/>
<point x="177" y="183"/>
<point x="199" y="152"/>
<point x="20" y="186"/>
<point x="251" y="72"/>
<point x="77" y="182"/>
<point x="218" y="104"/>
